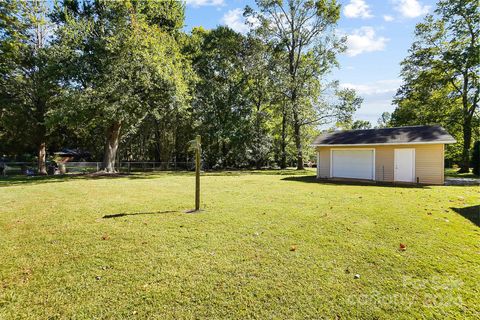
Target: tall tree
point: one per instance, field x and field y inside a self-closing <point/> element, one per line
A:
<point x="347" y="103"/>
<point x="27" y="78"/>
<point x="441" y="73"/>
<point x="221" y="105"/>
<point x="122" y="63"/>
<point x="303" y="30"/>
<point x="361" y="124"/>
<point x="384" y="120"/>
<point x="263" y="96"/>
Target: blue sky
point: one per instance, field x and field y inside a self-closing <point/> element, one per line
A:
<point x="379" y="35"/>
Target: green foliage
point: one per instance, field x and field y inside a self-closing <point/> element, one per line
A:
<point x="27" y="77"/>
<point x="441" y="75"/>
<point x="221" y="104"/>
<point x="302" y="35"/>
<point x="123" y="64"/>
<point x="122" y="80"/>
<point x="348" y="103"/>
<point x="385" y="120"/>
<point x="361" y="124"/>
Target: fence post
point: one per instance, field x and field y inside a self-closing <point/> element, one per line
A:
<point x="97" y="167"/>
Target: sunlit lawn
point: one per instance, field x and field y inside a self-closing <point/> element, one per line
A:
<point x="451" y="172"/>
<point x="266" y="246"/>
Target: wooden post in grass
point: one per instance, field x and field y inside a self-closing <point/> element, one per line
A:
<point x="197" y="173"/>
<point x="196" y="145"/>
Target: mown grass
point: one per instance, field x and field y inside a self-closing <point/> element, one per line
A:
<point x="266" y="246"/>
<point x="451" y="172"/>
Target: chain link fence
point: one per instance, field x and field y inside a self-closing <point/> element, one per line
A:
<point x="30" y="168"/>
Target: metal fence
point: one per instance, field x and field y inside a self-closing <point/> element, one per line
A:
<point x="30" y="168"/>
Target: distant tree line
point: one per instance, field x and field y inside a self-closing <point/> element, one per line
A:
<point x="122" y="80"/>
<point x="441" y="77"/>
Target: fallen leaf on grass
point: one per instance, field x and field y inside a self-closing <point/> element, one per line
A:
<point x="105" y="237"/>
<point x="293" y="248"/>
<point x="26" y="274"/>
<point x="403" y="247"/>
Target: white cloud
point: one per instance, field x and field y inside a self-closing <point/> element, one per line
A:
<point x="364" y="40"/>
<point x="235" y="20"/>
<point x="411" y="8"/>
<point x="387" y="18"/>
<point x="375" y="88"/>
<point x="202" y="3"/>
<point x="377" y="97"/>
<point x="357" y="9"/>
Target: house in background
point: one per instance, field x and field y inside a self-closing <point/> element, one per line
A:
<point x="403" y="154"/>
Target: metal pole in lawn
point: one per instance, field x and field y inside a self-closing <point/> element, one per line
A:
<point x="197" y="173"/>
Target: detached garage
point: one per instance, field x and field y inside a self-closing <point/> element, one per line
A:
<point x="404" y="154"/>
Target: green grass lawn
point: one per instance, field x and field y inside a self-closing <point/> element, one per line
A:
<point x="271" y="245"/>
<point x="450" y="172"/>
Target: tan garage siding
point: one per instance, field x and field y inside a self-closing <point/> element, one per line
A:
<point x="324" y="162"/>
<point x="429" y="159"/>
<point x="429" y="163"/>
<point x="384" y="158"/>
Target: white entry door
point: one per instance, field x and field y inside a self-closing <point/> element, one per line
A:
<point x="404" y="165"/>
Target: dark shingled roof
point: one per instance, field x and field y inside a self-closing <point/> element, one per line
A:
<point x="401" y="135"/>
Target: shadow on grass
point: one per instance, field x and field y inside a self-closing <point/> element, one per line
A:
<point x="23" y="180"/>
<point x="367" y="183"/>
<point x="472" y="213"/>
<point x="119" y="215"/>
<point x="267" y="172"/>
<point x="10" y="181"/>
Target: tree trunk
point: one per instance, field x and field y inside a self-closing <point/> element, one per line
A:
<point x="257" y="142"/>
<point x="283" y="142"/>
<point x="111" y="147"/>
<point x="298" y="140"/>
<point x="467" y="127"/>
<point x="42" y="152"/>
<point x="467" y="141"/>
<point x="41" y="133"/>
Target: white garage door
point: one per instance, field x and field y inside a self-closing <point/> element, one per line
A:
<point x="357" y="164"/>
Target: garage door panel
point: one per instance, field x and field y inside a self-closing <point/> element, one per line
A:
<point x="356" y="164"/>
